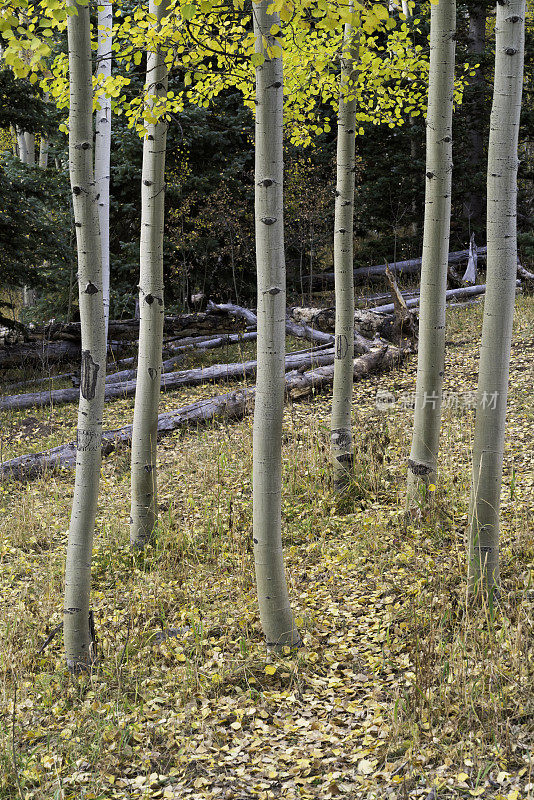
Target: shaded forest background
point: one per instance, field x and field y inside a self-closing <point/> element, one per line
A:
<point x="209" y="226"/>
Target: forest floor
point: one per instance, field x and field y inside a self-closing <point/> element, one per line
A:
<point x="401" y="689"/>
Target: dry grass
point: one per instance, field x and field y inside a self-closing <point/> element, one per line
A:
<point x="401" y="688"/>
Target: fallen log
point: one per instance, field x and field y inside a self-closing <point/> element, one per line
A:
<point x="368" y="323"/>
<point x="409" y="267"/>
<point x="466" y="291"/>
<point x="208" y="344"/>
<point x="192" y="343"/>
<point x="44" y="352"/>
<point x="169" y="381"/>
<point x="525" y="274"/>
<point x="180" y="325"/>
<point x="299" y="331"/>
<point x="62" y="376"/>
<point x="233" y="405"/>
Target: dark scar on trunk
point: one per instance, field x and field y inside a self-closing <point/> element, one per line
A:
<point x="89" y="375"/>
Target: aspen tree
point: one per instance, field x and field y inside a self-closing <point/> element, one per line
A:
<point x="29" y="139"/>
<point x="275" y="611"/>
<point x="77" y="622"/>
<point x="431" y="358"/>
<point x="144" y="437"/>
<point x="494" y="367"/>
<point x="342" y="446"/>
<point x="103" y="142"/>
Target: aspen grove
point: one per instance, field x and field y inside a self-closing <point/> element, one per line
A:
<point x="266" y="418"/>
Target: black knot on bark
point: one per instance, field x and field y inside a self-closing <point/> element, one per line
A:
<point x="513" y="19"/>
<point x="266" y="182"/>
<point x="78" y="224"/>
<point x="159" y="86"/>
<point x="149" y="299"/>
<point x="429" y="175"/>
<point x="447" y="139"/>
<point x="147" y="183"/>
<point x="152" y="372"/>
<point x="276" y="85"/>
<point x="419" y="469"/>
<point x="85" y="146"/>
<point x="90" y="289"/>
<point x="76" y="190"/>
<point x="150" y="137"/>
<point x="268" y="220"/>
<point x="510" y="51"/>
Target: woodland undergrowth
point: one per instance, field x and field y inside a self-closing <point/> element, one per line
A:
<point x="401" y="689"/>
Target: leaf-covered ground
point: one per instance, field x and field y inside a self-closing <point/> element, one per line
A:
<point x="400" y="691"/>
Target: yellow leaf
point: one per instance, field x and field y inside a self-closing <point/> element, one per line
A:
<point x="462" y="777"/>
<point x="270" y="669"/>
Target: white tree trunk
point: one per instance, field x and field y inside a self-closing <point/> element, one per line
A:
<point x="495" y="348"/>
<point x="29" y="138"/>
<point x="77" y="627"/>
<point x="275" y="612"/>
<point x="43" y="145"/>
<point x="14" y="143"/>
<point x="144" y="445"/>
<point x="431" y="358"/>
<point x="103" y="142"/>
<point x="341" y="442"/>
<point x="23" y="150"/>
<point x="43" y="152"/>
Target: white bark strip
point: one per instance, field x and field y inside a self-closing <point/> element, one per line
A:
<point x="275" y="611"/>
<point x="495" y="348"/>
<point x="77" y="629"/>
<point x="431" y="359"/>
<point x="341" y="442"/>
<point x="144" y="445"/>
<point x="103" y="142"/>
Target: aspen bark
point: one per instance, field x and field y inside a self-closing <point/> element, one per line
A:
<point x="144" y="443"/>
<point x="14" y="143"/>
<point x="275" y="611"/>
<point x="341" y="441"/>
<point x="29" y="139"/>
<point x="494" y="367"/>
<point x="21" y="143"/>
<point x="431" y="358"/>
<point x="77" y="624"/>
<point x="43" y="152"/>
<point x="103" y="142"/>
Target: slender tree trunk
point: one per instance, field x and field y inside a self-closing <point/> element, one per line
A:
<point x="341" y="442"/>
<point x="43" y="152"/>
<point x="495" y="348"/>
<point x="77" y="622"/>
<point x="431" y="359"/>
<point x="275" y="612"/>
<point x="14" y="143"/>
<point x="29" y="138"/>
<point x="43" y="145"/>
<point x="23" y="150"/>
<point x="144" y="445"/>
<point x="103" y="143"/>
